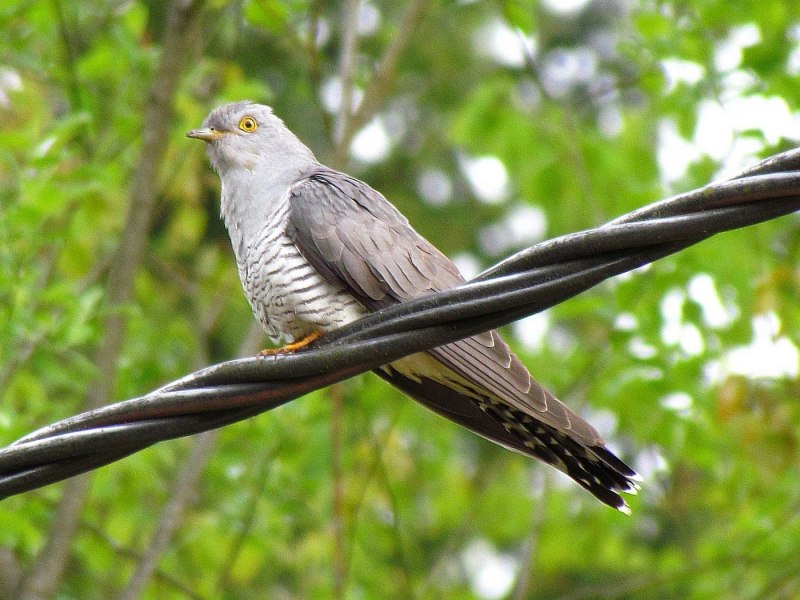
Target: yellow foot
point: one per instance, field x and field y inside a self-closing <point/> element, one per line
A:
<point x="293" y="347"/>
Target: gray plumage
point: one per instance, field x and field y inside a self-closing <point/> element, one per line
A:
<point x="317" y="249"/>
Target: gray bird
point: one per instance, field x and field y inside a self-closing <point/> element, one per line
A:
<point x="317" y="249"/>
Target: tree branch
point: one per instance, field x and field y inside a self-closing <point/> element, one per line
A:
<point x="257" y="482"/>
<point x="171" y="514"/>
<point x="10" y="574"/>
<point x="347" y="60"/>
<point x="314" y="63"/>
<point x="380" y="84"/>
<point x="338" y="518"/>
<point x="180" y="39"/>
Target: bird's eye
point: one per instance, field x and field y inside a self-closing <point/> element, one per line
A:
<point x="248" y="124"/>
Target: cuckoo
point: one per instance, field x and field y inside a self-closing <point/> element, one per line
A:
<point x="317" y="249"/>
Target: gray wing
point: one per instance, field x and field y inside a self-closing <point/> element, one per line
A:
<point x="354" y="236"/>
<point x="356" y="239"/>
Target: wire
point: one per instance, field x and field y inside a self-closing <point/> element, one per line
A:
<point x="527" y="282"/>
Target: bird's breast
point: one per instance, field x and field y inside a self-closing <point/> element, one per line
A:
<point x="287" y="294"/>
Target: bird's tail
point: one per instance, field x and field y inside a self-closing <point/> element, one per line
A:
<point x="595" y="467"/>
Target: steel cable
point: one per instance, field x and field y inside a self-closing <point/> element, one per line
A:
<point x="528" y="282"/>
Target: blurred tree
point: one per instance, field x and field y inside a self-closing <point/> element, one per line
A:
<point x="491" y="126"/>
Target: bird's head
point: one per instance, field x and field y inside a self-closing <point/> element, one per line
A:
<point x="245" y="135"/>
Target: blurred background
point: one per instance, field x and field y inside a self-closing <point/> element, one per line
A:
<point x="491" y="125"/>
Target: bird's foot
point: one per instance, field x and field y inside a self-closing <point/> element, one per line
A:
<point x="293" y="347"/>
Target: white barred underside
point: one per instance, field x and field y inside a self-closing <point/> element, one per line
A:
<point x="287" y="295"/>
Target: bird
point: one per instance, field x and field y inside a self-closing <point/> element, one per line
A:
<point x="316" y="249"/>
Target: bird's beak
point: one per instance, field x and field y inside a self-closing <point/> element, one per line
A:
<point x="205" y="133"/>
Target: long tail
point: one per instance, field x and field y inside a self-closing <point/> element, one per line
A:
<point x="593" y="467"/>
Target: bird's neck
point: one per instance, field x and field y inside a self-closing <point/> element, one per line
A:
<point x="251" y="196"/>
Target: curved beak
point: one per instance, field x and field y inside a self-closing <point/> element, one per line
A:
<point x="205" y="133"/>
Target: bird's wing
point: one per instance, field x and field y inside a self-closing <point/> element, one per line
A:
<point x="358" y="240"/>
<point x="353" y="236"/>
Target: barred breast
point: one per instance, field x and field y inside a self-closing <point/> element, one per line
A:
<point x="287" y="295"/>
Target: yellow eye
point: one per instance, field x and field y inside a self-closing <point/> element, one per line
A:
<point x="248" y="124"/>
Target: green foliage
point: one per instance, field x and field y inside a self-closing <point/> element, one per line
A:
<point x="357" y="491"/>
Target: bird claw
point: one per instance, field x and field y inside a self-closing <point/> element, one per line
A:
<point x="291" y="348"/>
